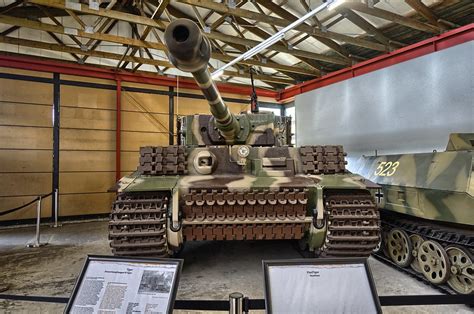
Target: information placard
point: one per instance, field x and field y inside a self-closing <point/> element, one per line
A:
<point x="125" y="285"/>
<point x="320" y="286"/>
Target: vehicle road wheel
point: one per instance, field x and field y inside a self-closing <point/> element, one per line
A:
<point x="434" y="262"/>
<point x="399" y="247"/>
<point x="416" y="241"/>
<point x="462" y="271"/>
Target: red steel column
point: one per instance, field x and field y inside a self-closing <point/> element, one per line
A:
<point x="118" y="130"/>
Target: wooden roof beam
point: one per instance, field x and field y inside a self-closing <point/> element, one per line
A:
<point x="59" y="41"/>
<point x="243" y="42"/>
<point x="12" y="5"/>
<point x="106" y="27"/>
<point x="58" y="23"/>
<point x="147" y="51"/>
<point x="314" y="18"/>
<point x="392" y="17"/>
<point x="335" y="21"/>
<point x="76" y="18"/>
<point x="200" y="21"/>
<point x="219" y="7"/>
<point x="426" y="12"/>
<point x="367" y="27"/>
<point x="264" y="35"/>
<point x="127" y="17"/>
<point x="131" y="42"/>
<point x="69" y="49"/>
<point x="160" y="9"/>
<point x="9" y="30"/>
<point x="115" y="56"/>
<point x="113" y="14"/>
<point x="145" y="34"/>
<point x="280" y="11"/>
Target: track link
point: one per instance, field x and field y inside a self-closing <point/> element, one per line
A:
<point x="138" y="224"/>
<point x="138" y="220"/>
<point x="252" y="215"/>
<point x="353" y="225"/>
<point x="163" y="160"/>
<point x="323" y="159"/>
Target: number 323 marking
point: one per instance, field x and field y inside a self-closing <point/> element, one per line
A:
<point x="387" y="168"/>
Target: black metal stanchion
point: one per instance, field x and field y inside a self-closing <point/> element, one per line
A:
<point x="236" y="303"/>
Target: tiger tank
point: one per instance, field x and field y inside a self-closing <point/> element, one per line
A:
<point x="427" y="210"/>
<point x="236" y="177"/>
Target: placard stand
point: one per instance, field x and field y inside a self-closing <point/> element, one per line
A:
<point x="125" y="285"/>
<point x="342" y="285"/>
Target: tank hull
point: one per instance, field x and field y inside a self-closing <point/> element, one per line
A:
<point x="328" y="209"/>
<point x="427" y="210"/>
<point x="437" y="186"/>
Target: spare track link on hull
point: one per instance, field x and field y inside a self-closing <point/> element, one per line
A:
<point x="429" y="231"/>
<point x="257" y="208"/>
<point x="138" y="224"/>
<point x="353" y="225"/>
<point x="323" y="159"/>
<point x="163" y="160"/>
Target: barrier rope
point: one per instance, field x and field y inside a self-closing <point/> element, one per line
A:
<point x="259" y="304"/>
<point x="8" y="211"/>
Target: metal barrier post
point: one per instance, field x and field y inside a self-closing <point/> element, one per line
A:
<point x="56" y="209"/>
<point x="37" y="242"/>
<point x="236" y="303"/>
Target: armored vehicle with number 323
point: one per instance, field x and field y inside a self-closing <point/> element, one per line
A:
<point x="235" y="177"/>
<point x="427" y="211"/>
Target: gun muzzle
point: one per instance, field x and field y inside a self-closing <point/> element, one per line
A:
<point x="189" y="50"/>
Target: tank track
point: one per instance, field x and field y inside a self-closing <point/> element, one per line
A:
<point x="253" y="215"/>
<point x="163" y="160"/>
<point x="138" y="220"/>
<point x="353" y="225"/>
<point x="442" y="288"/>
<point x="138" y="224"/>
<point x="323" y="159"/>
<point x="429" y="231"/>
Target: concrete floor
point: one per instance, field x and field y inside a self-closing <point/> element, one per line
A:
<point x="211" y="270"/>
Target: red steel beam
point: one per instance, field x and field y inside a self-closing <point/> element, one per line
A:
<point x="451" y="38"/>
<point x="37" y="64"/>
<point x="118" y="131"/>
<point x="436" y="43"/>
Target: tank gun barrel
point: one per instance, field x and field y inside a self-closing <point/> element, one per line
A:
<point x="189" y="50"/>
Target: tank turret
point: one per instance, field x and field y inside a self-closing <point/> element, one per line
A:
<point x="190" y="51"/>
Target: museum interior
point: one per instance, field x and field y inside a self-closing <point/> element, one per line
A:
<point x="212" y="156"/>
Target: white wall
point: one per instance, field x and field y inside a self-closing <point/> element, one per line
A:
<point x="408" y="107"/>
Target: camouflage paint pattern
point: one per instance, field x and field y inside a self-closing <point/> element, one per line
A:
<point x="263" y="128"/>
<point x="237" y="154"/>
<point x="436" y="186"/>
<point x="460" y="141"/>
<point x="265" y="168"/>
